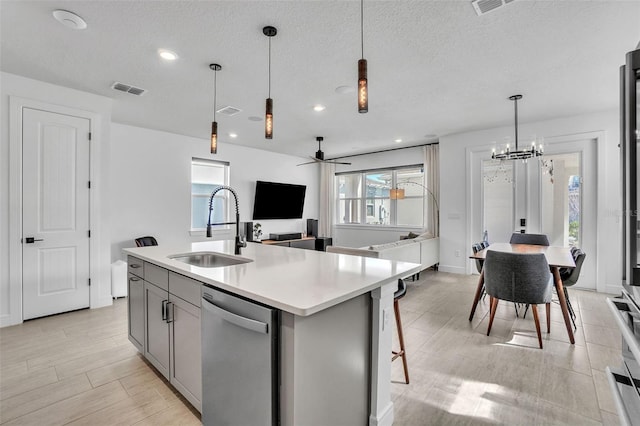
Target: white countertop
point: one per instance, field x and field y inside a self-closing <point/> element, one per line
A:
<point x="294" y="280"/>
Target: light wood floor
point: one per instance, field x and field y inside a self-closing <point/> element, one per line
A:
<point x="79" y="368"/>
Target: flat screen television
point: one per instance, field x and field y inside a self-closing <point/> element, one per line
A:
<point x="278" y="201"/>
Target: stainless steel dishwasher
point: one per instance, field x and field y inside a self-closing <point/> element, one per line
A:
<point x="240" y="362"/>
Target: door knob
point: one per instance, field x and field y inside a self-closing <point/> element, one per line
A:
<point x="31" y="240"/>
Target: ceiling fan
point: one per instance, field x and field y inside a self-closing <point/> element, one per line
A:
<point x="319" y="158"/>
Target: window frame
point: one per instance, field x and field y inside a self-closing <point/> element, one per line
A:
<point x="222" y="195"/>
<point x="362" y="200"/>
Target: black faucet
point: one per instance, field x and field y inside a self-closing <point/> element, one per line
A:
<point x="240" y="242"/>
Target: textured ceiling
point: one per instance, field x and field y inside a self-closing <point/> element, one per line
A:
<point x="435" y="67"/>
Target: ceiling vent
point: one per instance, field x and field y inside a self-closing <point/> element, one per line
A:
<point x="128" y="89"/>
<point x="484" y="6"/>
<point x="229" y="110"/>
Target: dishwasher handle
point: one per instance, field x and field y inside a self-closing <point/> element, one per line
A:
<point x="240" y="321"/>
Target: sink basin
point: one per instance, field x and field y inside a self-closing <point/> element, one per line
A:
<point x="207" y="259"/>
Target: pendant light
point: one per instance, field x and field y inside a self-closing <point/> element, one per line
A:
<point x="269" y="31"/>
<point x="363" y="91"/>
<point x="214" y="124"/>
<point x="509" y="154"/>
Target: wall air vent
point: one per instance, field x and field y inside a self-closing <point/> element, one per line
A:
<point x="229" y="110"/>
<point x="484" y="6"/>
<point x="128" y="89"/>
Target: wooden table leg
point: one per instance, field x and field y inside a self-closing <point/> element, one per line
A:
<point x="563" y="302"/>
<point x="476" y="299"/>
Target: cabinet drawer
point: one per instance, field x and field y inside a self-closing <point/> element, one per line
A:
<point x="135" y="266"/>
<point x="156" y="275"/>
<point x="185" y="288"/>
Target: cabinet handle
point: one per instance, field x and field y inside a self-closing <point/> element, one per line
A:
<point x="134" y="279"/>
<point x="170" y="318"/>
<point x="135" y="265"/>
<point x="164" y="310"/>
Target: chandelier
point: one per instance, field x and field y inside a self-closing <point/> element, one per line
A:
<point x="507" y="153"/>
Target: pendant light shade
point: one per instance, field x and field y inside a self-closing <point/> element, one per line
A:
<point x="214" y="124"/>
<point x="270" y="32"/>
<point x="214" y="137"/>
<point x="268" y="119"/>
<point x="363" y="101"/>
<point x="396" y="194"/>
<point x="363" y="90"/>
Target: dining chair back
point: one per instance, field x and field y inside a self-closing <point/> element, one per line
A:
<point x="569" y="277"/>
<point x="518" y="278"/>
<point x="476" y="248"/>
<point x="146" y="241"/>
<point x="534" y="239"/>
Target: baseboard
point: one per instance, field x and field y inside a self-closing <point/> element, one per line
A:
<point x="103" y="301"/>
<point x="452" y="269"/>
<point x="7" y="320"/>
<point x="384" y="419"/>
<point x="613" y="289"/>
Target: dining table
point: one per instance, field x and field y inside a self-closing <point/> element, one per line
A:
<point x="557" y="257"/>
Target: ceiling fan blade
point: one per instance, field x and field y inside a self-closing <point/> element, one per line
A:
<point x="308" y="162"/>
<point x="337" y="162"/>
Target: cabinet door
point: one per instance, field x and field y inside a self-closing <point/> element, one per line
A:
<point x="135" y="288"/>
<point x="157" y="328"/>
<point x="186" y="364"/>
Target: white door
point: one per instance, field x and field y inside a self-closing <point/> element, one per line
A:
<point x="55" y="213"/>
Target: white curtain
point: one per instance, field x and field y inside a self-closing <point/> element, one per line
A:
<point x="327" y="199"/>
<point x="431" y="160"/>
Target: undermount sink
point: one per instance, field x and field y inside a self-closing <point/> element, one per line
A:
<point x="207" y="259"/>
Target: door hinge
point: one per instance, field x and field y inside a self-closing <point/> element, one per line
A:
<point x="89" y="233"/>
<point x="89" y="282"/>
<point x="89" y="184"/>
<point x="89" y="135"/>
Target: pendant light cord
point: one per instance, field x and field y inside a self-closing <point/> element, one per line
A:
<point x="362" y="26"/>
<point x="269" y="67"/>
<point x="516" y="119"/>
<point x="215" y="90"/>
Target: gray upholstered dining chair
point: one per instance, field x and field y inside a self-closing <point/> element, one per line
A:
<point x="535" y="239"/>
<point x="518" y="278"/>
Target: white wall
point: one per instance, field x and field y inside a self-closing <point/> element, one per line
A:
<point x="100" y="107"/>
<point x="151" y="184"/>
<point x="358" y="235"/>
<point x="456" y="214"/>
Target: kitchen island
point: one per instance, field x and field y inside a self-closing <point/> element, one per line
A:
<point x="335" y="324"/>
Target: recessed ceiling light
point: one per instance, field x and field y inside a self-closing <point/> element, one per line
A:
<point x="69" y="19"/>
<point x="344" y="90"/>
<point x="233" y="135"/>
<point x="167" y="54"/>
<point x="397" y="140"/>
<point x="319" y="107"/>
<point x="254" y="118"/>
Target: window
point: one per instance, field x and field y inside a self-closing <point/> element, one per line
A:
<point x="207" y="175"/>
<point x="364" y="197"/>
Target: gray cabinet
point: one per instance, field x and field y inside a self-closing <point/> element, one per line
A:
<point x="135" y="305"/>
<point x="157" y="328"/>
<point x="135" y="288"/>
<point x="184" y="344"/>
<point x="164" y="324"/>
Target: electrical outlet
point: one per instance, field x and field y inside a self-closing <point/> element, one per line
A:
<point x="457" y="253"/>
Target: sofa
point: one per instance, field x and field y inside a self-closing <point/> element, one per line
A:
<point x="423" y="249"/>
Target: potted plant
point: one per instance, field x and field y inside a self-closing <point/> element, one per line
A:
<point x="257" y="231"/>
